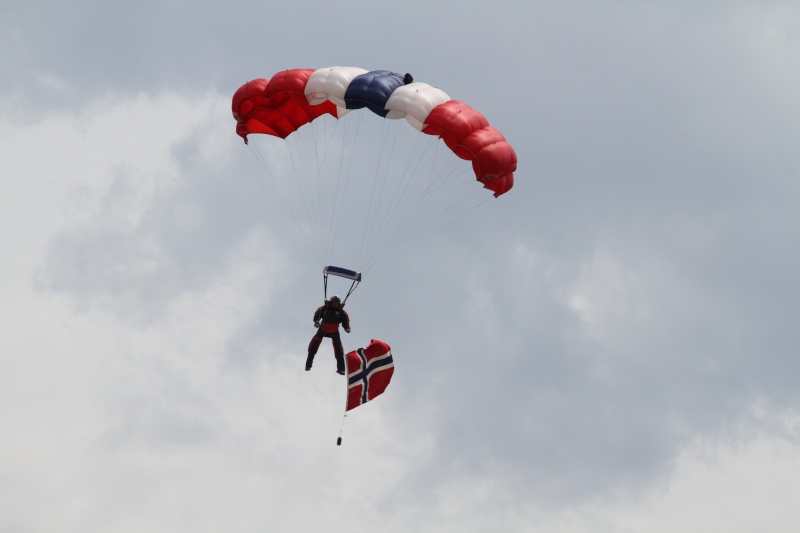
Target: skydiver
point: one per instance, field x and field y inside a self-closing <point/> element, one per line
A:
<point x="327" y="319"/>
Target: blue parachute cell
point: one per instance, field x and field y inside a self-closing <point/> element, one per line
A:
<point x="372" y="90"/>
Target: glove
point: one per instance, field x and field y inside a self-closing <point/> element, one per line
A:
<point x="316" y="324"/>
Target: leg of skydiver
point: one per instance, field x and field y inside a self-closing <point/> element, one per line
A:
<point x="338" y="351"/>
<point x="313" y="346"/>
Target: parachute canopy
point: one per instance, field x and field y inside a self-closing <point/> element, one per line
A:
<point x="293" y="98"/>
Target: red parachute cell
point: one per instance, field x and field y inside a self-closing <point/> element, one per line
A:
<point x="468" y="134"/>
<point x="277" y="106"/>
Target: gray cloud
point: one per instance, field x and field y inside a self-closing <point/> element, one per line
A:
<point x="634" y="291"/>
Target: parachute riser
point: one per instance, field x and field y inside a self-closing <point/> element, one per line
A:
<point x="349" y="274"/>
<point x="349" y="292"/>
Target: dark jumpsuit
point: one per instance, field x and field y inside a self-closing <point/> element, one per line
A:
<point x="330" y="318"/>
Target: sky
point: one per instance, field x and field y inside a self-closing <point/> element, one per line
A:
<point x="609" y="347"/>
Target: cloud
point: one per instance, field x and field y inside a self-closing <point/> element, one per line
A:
<point x="589" y="352"/>
<point x="752" y="473"/>
<point x="152" y="197"/>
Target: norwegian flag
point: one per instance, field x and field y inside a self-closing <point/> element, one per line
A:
<point x="369" y="371"/>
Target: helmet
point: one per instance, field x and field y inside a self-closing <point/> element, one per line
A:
<point x="335" y="300"/>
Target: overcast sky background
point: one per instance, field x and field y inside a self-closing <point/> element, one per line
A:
<point x="612" y="346"/>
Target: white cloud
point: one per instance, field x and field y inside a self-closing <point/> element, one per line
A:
<point x="115" y="424"/>
<point x="150" y="346"/>
<point x="770" y="39"/>
<point x="737" y="486"/>
<point x="613" y="298"/>
<point x="745" y="482"/>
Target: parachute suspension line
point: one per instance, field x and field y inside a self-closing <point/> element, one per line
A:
<point x="322" y="140"/>
<point x="329" y="202"/>
<point x="282" y="193"/>
<point x="385" y="201"/>
<point x="452" y="167"/>
<point x="310" y="211"/>
<point x="383" y="166"/>
<point x="449" y="168"/>
<point x="317" y="207"/>
<point x="351" y="156"/>
<point x="389" y="198"/>
<point x="316" y="183"/>
<point x="388" y="211"/>
<point x="369" y="217"/>
<point x="405" y="246"/>
<point x="342" y="181"/>
<point x="411" y="169"/>
<point x="309" y="148"/>
<point x="404" y="206"/>
<point x="436" y="185"/>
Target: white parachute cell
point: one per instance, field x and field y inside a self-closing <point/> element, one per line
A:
<point x="414" y="102"/>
